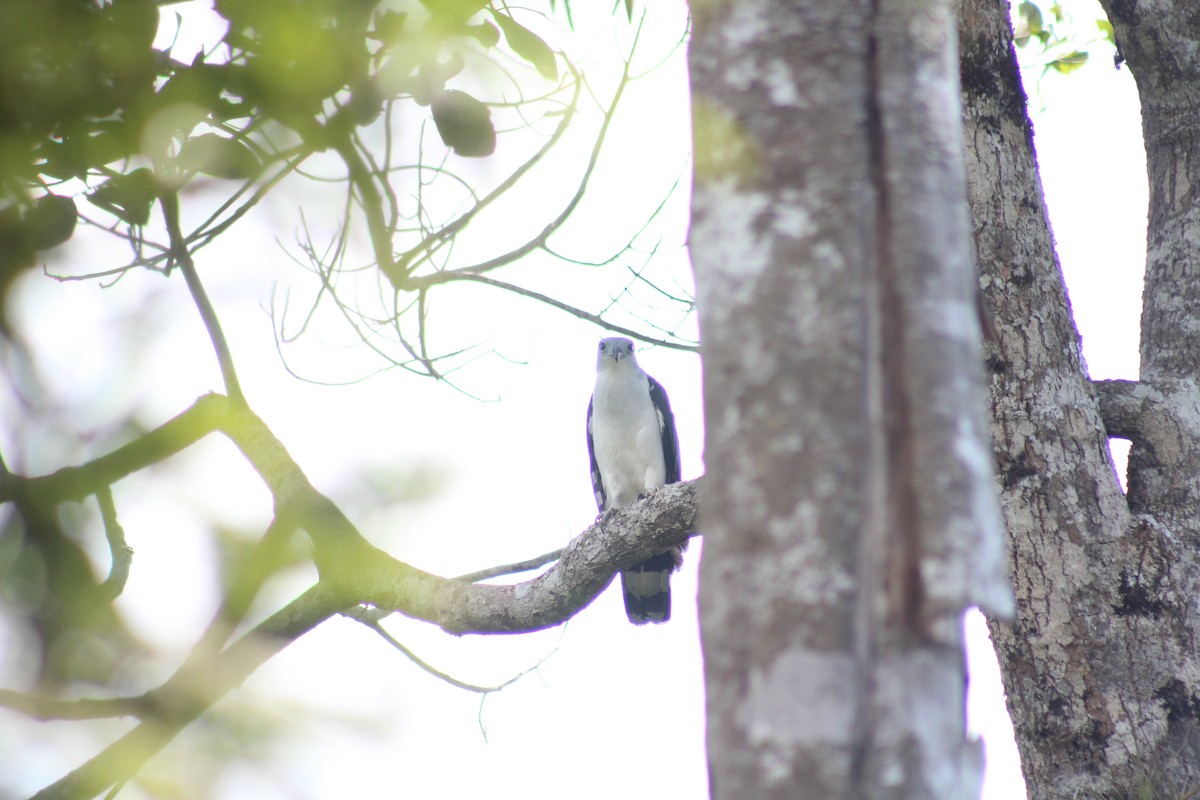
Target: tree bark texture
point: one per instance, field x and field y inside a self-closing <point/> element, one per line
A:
<point x="1100" y="664"/>
<point x="849" y="511"/>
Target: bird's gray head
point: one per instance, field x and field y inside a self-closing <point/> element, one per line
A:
<point x="614" y="351"/>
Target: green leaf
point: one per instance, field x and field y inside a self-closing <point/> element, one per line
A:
<point x="127" y="197"/>
<point x="464" y="123"/>
<point x="16" y="256"/>
<point x="1070" y="62"/>
<point x="51" y="221"/>
<point x="487" y="33"/>
<point x="567" y="9"/>
<point x="628" y="8"/>
<point x="455" y="11"/>
<point x="136" y="20"/>
<point x="388" y="27"/>
<point x="1031" y="15"/>
<point x="1106" y="30"/>
<point x="528" y="45"/>
<point x="220" y="157"/>
<point x="200" y="84"/>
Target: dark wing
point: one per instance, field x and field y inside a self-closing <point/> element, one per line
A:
<point x="597" y="481"/>
<point x="666" y="430"/>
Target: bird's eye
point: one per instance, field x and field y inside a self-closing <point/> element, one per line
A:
<point x="603" y="346"/>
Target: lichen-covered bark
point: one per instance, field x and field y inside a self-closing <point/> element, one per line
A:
<point x="1100" y="664"/>
<point x="849" y="512"/>
<point x="1161" y="41"/>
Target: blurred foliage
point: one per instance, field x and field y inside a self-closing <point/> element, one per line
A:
<point x="1052" y="37"/>
<point x="46" y="579"/>
<point x="89" y="105"/>
<point x="97" y="124"/>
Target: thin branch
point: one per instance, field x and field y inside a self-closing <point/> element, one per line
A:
<point x="362" y="179"/>
<point x="181" y="256"/>
<point x="595" y="319"/>
<point x="512" y="569"/>
<point x="177" y="434"/>
<point x="540" y="240"/>
<point x="122" y="553"/>
<point x="690" y="304"/>
<point x="630" y="243"/>
<point x="434" y="239"/>
<point x="48" y="708"/>
<point x="210" y="228"/>
<point x="367" y="620"/>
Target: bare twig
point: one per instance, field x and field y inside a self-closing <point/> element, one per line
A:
<point x="363" y="181"/>
<point x="595" y="319"/>
<point x="211" y="227"/>
<point x="433" y="240"/>
<point x="122" y="553"/>
<point x="539" y="241"/>
<point x="181" y="256"/>
<point x="356" y="613"/>
<point x="512" y="569"/>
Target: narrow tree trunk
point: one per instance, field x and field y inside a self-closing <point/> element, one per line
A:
<point x="1100" y="664"/>
<point x="849" y="510"/>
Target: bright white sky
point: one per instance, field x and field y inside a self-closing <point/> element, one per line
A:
<point x="451" y="484"/>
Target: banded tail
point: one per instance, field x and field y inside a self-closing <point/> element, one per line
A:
<point x="647" y="587"/>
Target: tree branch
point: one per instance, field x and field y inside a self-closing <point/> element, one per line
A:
<point x="182" y="257"/>
<point x="366" y="574"/>
<point x="595" y="319"/>
<point x="76" y="483"/>
<point x="352" y="572"/>
<point x="122" y="553"/>
<point x="411" y="259"/>
<point x="188" y="693"/>
<point x="1122" y="407"/>
<point x="512" y="569"/>
<point x="48" y="708"/>
<point x="624" y="536"/>
<point x="345" y="558"/>
<point x="540" y="240"/>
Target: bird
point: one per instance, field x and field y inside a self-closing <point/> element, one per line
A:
<point x="634" y="449"/>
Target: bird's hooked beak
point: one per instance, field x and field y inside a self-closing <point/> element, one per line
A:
<point x="615" y="350"/>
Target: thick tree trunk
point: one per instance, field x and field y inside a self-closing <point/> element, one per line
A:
<point x="849" y="511"/>
<point x="1100" y="664"/>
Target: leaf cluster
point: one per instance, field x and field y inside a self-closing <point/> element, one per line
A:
<point x="1061" y="43"/>
<point x="89" y="104"/>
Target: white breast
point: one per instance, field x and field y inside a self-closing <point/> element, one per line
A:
<point x="626" y="435"/>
